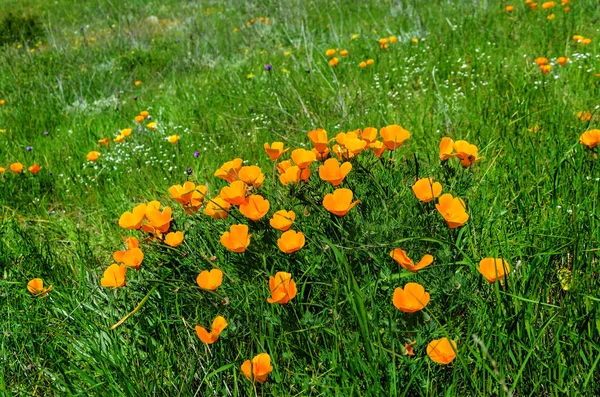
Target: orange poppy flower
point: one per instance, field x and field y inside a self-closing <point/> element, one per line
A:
<point x="290" y="175"/>
<point x="34" y="169"/>
<point x="283" y="166"/>
<point x="217" y="208"/>
<point x="235" y="193"/>
<point x="393" y="136"/>
<point x="362" y="65"/>
<point x="400" y="256"/>
<point x="114" y="276"/>
<point x="566" y="9"/>
<point x="442" y="351"/>
<point x="126" y="132"/>
<point x="342" y="153"/>
<point x="533" y="6"/>
<point x="218" y="325"/>
<point x="378" y="148"/>
<point x="259" y="369"/>
<point x="586" y="41"/>
<point x="383" y="43"/>
<point x="229" y="170"/>
<point x="182" y="194"/>
<point x="344" y="53"/>
<point x="392" y="39"/>
<point x="343" y="137"/>
<point x="334" y="62"/>
<point x="321" y="156"/>
<point x="408" y="348"/>
<point x="104" y="141"/>
<point x="93" y="155"/>
<point x="303" y="158"/>
<point x="355" y="145"/>
<point x="152" y="125"/>
<point x="255" y="207"/>
<point x="36" y="287"/>
<point x="548" y="4"/>
<point x="562" y="61"/>
<point x="275" y="150"/>
<point x="446" y="148"/>
<point x="139" y="119"/>
<point x="541" y="61"/>
<point x="545" y="68"/>
<point x="318" y="138"/>
<point x="173" y="139"/>
<point x="174" y="239"/>
<point x="210" y="280"/>
<point x="330" y="52"/>
<point x="466" y="152"/>
<point x="584" y="116"/>
<point x="236" y="239"/>
<point x="590" y="138"/>
<point x="133" y="220"/>
<point x="370" y="62"/>
<point x="283" y="288"/>
<point x="339" y="202"/>
<point x="453" y="210"/>
<point x="2" y="170"/>
<point x="157" y="220"/>
<point x="369" y="134"/>
<point x="282" y="220"/>
<point x="119" y="138"/>
<point x="426" y="189"/>
<point x="510" y="8"/>
<point x="578" y="38"/>
<point x="410" y="299"/>
<point x="493" y="269"/>
<point x="291" y="241"/>
<point x="144" y="113"/>
<point x="332" y="172"/>
<point x="252" y="175"/>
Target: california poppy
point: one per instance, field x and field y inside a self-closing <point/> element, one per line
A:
<point x="303" y="158"/>
<point x="446" y="148"/>
<point x="218" y="325"/>
<point x="210" y="280"/>
<point x="393" y="136"/>
<point x="133" y="220"/>
<point x="321" y="156"/>
<point x="173" y="139"/>
<point x="510" y="8"/>
<point x="119" y="138"/>
<point x="339" y="202"/>
<point x="334" y="62"/>
<point x="182" y="194"/>
<point x="290" y="175"/>
<point x="342" y="137"/>
<point x="344" y="53"/>
<point x="259" y="369"/>
<point x="282" y="220"/>
<point x="545" y="68"/>
<point x="126" y="132"/>
<point x="400" y="256"/>
<point x="590" y="138"/>
<point x="453" y="210"/>
<point x="217" y="208"/>
<point x="152" y="125"/>
<point x="174" y="239"/>
<point x="157" y="220"/>
<point x="93" y="155"/>
<point x="442" y="351"/>
<point x="139" y="118"/>
<point x="291" y="241"/>
<point x="283" y="288"/>
<point x="562" y="61"/>
<point x="378" y="148"/>
<point x="236" y="239"/>
<point x="255" y="207"/>
<point x="369" y="134"/>
<point x="319" y="140"/>
<point x="36" y="287"/>
<point x="330" y="52"/>
<point x="355" y="145"/>
<point x="114" y="276"/>
<point x="34" y="169"/>
<point x="275" y="150"/>
<point x="235" y="193"/>
<point x="466" y="152"/>
<point x="133" y="258"/>
<point x="548" y="4"/>
<point x="251" y="175"/>
<point x="493" y="269"/>
<point x="229" y="170"/>
<point x="104" y="141"/>
<point x="425" y="189"/>
<point x="541" y="61"/>
<point x="410" y="299"/>
<point x="584" y="116"/>
<point x="383" y="43"/>
<point x="332" y="172"/>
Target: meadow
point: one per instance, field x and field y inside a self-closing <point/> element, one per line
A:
<point x="299" y="198"/>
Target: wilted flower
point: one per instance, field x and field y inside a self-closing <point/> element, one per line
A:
<point x="36" y="287"/>
<point x="453" y="210"/>
<point x="410" y="299"/>
<point x="442" y="351"/>
<point x="493" y="269"/>
<point x="218" y="325"/>
<point x="283" y="288"/>
<point x="291" y="241"/>
<point x="114" y="276"/>
<point x="236" y="239"/>
<point x="400" y="256"/>
<point x="339" y="202"/>
<point x="210" y="280"/>
<point x="259" y="369"/>
<point x="282" y="220"/>
<point x="426" y="189"/>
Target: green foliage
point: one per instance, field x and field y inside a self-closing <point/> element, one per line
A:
<point x="25" y="28"/>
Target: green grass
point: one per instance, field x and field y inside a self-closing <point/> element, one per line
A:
<point x="532" y="199"/>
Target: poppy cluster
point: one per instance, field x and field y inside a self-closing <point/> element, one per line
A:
<point x="18" y="168"/>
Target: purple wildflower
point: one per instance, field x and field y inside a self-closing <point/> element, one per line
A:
<point x="268" y="67"/>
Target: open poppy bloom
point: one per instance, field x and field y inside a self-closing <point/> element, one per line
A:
<point x="355" y="145"/>
<point x="119" y="138"/>
<point x="152" y="125"/>
<point x="393" y="136"/>
<point x="36" y="287"/>
<point x="493" y="269"/>
<point x="330" y="52"/>
<point x="282" y="220"/>
<point x="174" y="239"/>
<point x="321" y="156"/>
<point x="341" y="152"/>
<point x="303" y="158"/>
<point x="332" y="172"/>
<point x="104" y="141"/>
<point x="590" y="138"/>
<point x="548" y="4"/>
<point x="34" y="169"/>
<point x="157" y="220"/>
<point x="453" y="210"/>
<point x="334" y="62"/>
<point x="218" y="325"/>
<point x="541" y="61"/>
<point x="562" y="61"/>
<point x="229" y="170"/>
<point x="510" y="8"/>
<point x="343" y="137"/>
<point x="400" y="256"/>
<point x="173" y="139"/>
<point x="369" y="134"/>
<point x="339" y="202"/>
<point x="210" y="280"/>
<point x="126" y="132"/>
<point x="236" y="239"/>
<point x="319" y="140"/>
<point x="291" y="174"/>
<point x="545" y="68"/>
<point x="383" y="43"/>
<point x="235" y="193"/>
<point x="446" y="148"/>
<point x="378" y="148"/>
<point x="139" y="118"/>
<point x="252" y="175"/>
<point x="426" y="189"/>
<point x="93" y="155"/>
<point x="291" y="241"/>
<point x="275" y="150"/>
<point x="255" y="207"/>
<point x="259" y="369"/>
<point x="133" y="220"/>
<point x="114" y="276"/>
<point x="131" y="257"/>
<point x="217" y="208"/>
<point x="442" y="351"/>
<point x="182" y="194"/>
<point x="466" y="152"/>
<point x="410" y="299"/>
<point x="283" y="288"/>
